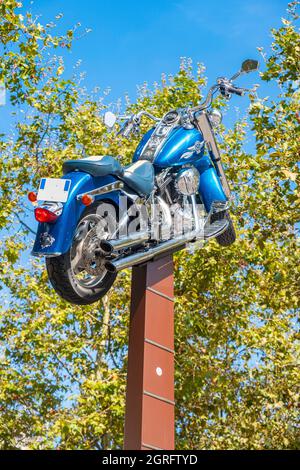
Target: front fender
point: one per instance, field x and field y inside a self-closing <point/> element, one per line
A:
<point x="59" y="235"/>
<point x="210" y="187"/>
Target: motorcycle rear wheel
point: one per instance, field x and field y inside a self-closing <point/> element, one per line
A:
<point x="68" y="277"/>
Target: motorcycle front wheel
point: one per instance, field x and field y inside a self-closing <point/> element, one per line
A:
<point x="79" y="275"/>
<point x="228" y="237"/>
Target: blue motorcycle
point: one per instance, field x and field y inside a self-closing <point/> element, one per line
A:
<point x="100" y="217"/>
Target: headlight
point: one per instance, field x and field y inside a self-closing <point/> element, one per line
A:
<point x="215" y="117"/>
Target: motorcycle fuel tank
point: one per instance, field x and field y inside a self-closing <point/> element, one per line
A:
<point x="180" y="147"/>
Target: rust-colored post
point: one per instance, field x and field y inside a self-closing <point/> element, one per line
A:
<point x="149" y="420"/>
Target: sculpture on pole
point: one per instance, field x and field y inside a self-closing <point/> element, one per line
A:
<point x="101" y="218"/>
<point x="175" y="193"/>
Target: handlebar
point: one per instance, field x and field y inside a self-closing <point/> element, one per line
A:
<point x="208" y="100"/>
<point x="137" y="117"/>
<point x="235" y="90"/>
<point x="149" y="115"/>
<point x="225" y="86"/>
<point x="133" y="122"/>
<point x="127" y="129"/>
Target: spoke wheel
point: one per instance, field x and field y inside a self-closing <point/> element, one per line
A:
<point x="79" y="275"/>
<point x="85" y="264"/>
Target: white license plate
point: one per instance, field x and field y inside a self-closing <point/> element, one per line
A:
<point x="54" y="190"/>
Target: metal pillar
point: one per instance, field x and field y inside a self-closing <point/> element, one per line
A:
<point x="149" y="420"/>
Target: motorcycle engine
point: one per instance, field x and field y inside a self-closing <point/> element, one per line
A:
<point x="175" y="190"/>
<point x="187" y="181"/>
<point x="174" y="186"/>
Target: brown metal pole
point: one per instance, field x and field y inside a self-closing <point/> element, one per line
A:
<point x="149" y="419"/>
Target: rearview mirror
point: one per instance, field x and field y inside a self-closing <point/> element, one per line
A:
<point x="110" y="119"/>
<point x="249" y="65"/>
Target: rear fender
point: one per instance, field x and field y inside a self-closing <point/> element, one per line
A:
<point x="56" y="238"/>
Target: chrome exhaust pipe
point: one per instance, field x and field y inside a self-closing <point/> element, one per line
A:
<point x="108" y="246"/>
<point x="138" y="258"/>
<point x="163" y="247"/>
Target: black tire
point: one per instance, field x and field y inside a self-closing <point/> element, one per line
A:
<point x="64" y="281"/>
<point x="228" y="237"/>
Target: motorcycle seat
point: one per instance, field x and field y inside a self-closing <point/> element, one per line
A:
<point x="95" y="166"/>
<point x="139" y="176"/>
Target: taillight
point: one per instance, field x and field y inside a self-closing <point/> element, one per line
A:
<point x="44" y="215"/>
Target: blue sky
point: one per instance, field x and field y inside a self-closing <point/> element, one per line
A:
<point x="135" y="41"/>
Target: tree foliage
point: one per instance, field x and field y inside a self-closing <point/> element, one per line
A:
<point x="63" y="368"/>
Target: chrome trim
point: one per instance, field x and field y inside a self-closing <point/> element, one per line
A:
<point x="45" y="255"/>
<point x="215" y="229"/>
<point x="109" y="246"/>
<point x="198" y="226"/>
<point x="121" y="225"/>
<point x="55" y="207"/>
<point x="164" y="247"/>
<point x="117" y="185"/>
<point x="149" y="115"/>
<point x="46" y="240"/>
<point x="207" y="102"/>
<point x="165" y="210"/>
<point x="185" y="118"/>
<point x="187" y="181"/>
<point x="196" y="148"/>
<point x="136" y="198"/>
<point x="215" y="117"/>
<point x="138" y="258"/>
<point x="219" y="206"/>
<point x="160" y="135"/>
<point x="53" y="255"/>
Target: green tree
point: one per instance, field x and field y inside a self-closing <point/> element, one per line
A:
<point x="63" y="368"/>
